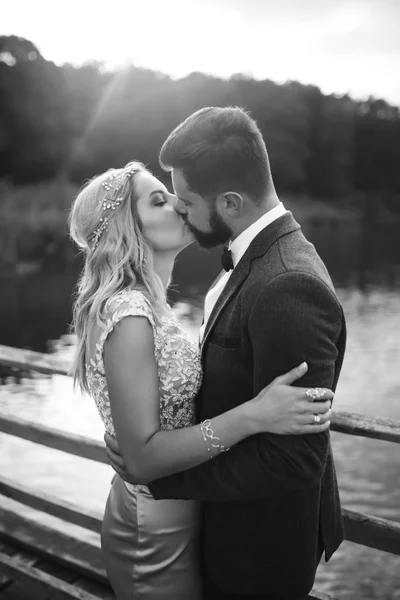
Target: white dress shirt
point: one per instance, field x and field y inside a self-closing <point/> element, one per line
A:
<point x="238" y="247"/>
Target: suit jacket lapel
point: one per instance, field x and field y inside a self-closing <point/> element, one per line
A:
<point x="258" y="247"/>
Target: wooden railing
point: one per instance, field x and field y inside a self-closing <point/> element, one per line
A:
<point x="378" y="533"/>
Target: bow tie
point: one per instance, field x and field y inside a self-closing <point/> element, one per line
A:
<point x="226" y="259"/>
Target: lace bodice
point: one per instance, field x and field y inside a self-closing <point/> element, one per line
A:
<point x="177" y="358"/>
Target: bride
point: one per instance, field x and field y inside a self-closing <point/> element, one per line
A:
<point x="143" y="372"/>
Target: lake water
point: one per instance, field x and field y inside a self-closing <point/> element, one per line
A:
<point x="34" y="313"/>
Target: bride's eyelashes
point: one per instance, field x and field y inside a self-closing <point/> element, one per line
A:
<point x="160" y="200"/>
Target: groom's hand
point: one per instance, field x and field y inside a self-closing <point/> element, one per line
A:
<point x="116" y="460"/>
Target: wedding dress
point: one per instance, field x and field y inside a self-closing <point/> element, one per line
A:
<point x="150" y="547"/>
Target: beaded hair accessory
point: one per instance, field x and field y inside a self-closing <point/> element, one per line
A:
<point x="111" y="200"/>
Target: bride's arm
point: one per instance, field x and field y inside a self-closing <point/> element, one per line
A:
<point x="132" y="380"/>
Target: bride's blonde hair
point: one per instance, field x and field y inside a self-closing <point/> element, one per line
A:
<point x="117" y="256"/>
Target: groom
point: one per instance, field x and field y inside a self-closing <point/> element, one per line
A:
<point x="271" y="504"/>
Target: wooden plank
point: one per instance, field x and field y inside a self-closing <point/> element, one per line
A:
<point x="79" y="581"/>
<point x="315" y="595"/>
<point x="51" y="505"/>
<point x="9" y="550"/>
<point x="60" y="590"/>
<point x="95" y="588"/>
<point x="5" y="581"/>
<point x="29" y="360"/>
<point x="380" y="428"/>
<point x="61" y="572"/>
<point x="350" y="423"/>
<point x="71" y="443"/>
<point x="51" y="568"/>
<point x="19" y="591"/>
<point x="52" y="544"/>
<point x="370" y="531"/>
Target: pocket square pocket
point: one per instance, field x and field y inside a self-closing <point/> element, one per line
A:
<point x="224" y="341"/>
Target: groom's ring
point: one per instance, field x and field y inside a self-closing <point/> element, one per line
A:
<point x="315" y="393"/>
<point x="317" y="419"/>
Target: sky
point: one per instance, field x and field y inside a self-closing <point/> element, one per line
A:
<point x="342" y="46"/>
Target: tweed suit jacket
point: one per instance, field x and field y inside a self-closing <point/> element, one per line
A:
<point x="271" y="499"/>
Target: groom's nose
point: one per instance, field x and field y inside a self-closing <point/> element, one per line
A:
<point x="180" y="207"/>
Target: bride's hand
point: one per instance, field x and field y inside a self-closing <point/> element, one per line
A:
<point x="284" y="409"/>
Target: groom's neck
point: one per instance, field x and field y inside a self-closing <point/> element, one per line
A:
<point x="252" y="213"/>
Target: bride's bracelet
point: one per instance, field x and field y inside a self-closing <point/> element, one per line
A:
<point x="212" y="441"/>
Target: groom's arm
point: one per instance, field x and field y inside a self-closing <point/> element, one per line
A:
<point x="294" y="318"/>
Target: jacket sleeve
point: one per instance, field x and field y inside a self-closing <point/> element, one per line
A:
<point x="295" y="317"/>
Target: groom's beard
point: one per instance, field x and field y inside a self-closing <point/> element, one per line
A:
<point x="219" y="232"/>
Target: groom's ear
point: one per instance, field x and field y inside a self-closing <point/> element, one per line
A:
<point x="230" y="204"/>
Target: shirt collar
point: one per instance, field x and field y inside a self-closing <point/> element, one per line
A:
<point x="240" y="244"/>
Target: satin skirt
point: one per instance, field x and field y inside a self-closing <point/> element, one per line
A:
<point x="150" y="547"/>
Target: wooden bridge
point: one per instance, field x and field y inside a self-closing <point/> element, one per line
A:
<point x="37" y="561"/>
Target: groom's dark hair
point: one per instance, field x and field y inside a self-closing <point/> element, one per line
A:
<point x="218" y="150"/>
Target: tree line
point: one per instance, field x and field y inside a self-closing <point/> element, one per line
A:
<point x="76" y="121"/>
